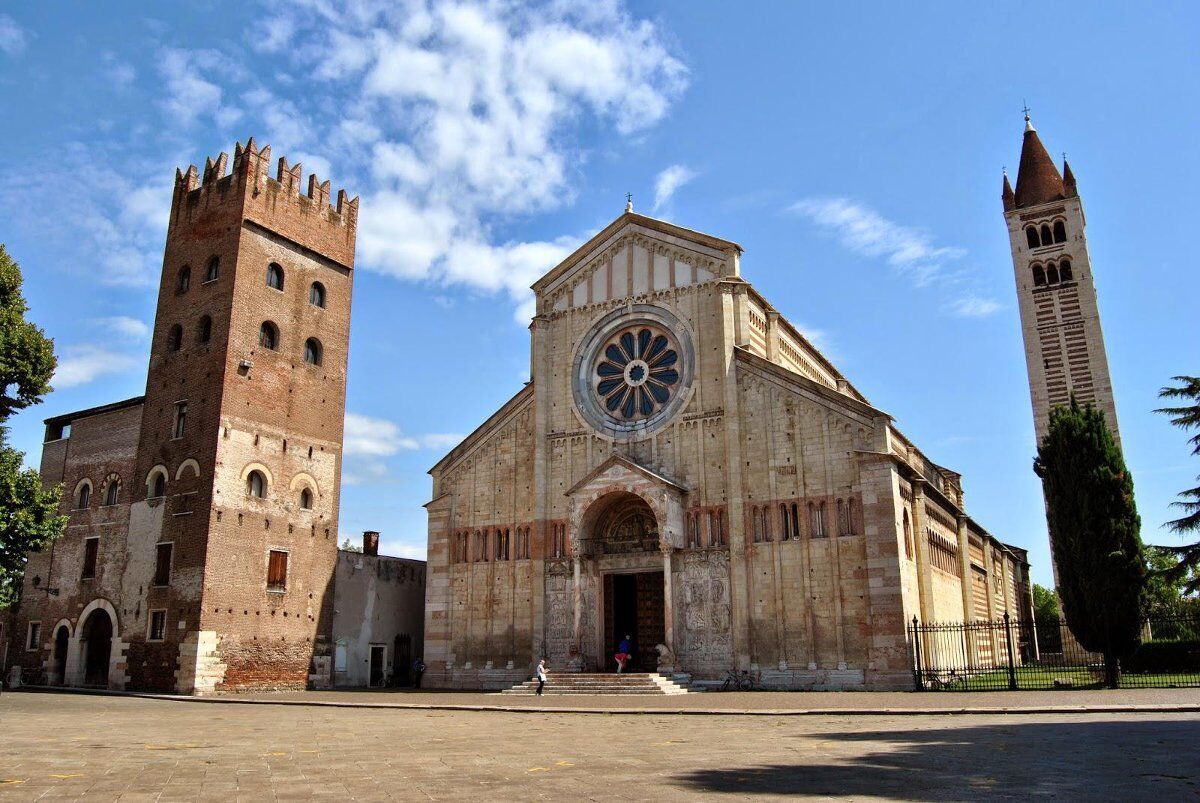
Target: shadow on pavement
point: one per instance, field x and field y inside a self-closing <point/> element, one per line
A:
<point x="1093" y="759"/>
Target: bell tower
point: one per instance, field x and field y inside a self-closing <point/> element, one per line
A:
<point x="1056" y="294"/>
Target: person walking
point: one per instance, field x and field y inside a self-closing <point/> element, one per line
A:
<point x="418" y="670"/>
<point x="541" y="676"/>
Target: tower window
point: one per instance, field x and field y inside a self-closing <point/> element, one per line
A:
<point x="275" y="276"/>
<point x="180" y="420"/>
<point x="204" y="330"/>
<point x="158" y="485"/>
<point x="162" y="563"/>
<point x="312" y="351"/>
<point x="316" y="294"/>
<point x="1060" y="231"/>
<point x="268" y="336"/>
<point x="110" y="493"/>
<point x="213" y="270"/>
<point x="305" y="499"/>
<point x="277" y="562"/>
<point x="1047" y="237"/>
<point x="1031" y="235"/>
<point x="175" y="337"/>
<point x="184" y="281"/>
<point x="1064" y="270"/>
<point x="91" y="550"/>
<point x="1051" y="274"/>
<point x="1039" y="276"/>
<point x="84" y="497"/>
<point x="256" y="484"/>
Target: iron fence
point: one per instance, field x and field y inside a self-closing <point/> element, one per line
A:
<point x="1044" y="654"/>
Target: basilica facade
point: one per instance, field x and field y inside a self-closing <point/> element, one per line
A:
<point x="685" y="470"/>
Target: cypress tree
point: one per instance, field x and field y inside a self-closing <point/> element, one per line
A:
<point x="1094" y="533"/>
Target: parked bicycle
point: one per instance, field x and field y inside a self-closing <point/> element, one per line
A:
<point x="738" y="681"/>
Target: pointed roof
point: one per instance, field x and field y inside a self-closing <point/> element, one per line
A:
<point x="1006" y="195"/>
<point x="1069" y="188"/>
<point x="1038" y="181"/>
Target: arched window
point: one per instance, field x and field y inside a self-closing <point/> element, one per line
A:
<point x="1032" y="236"/>
<point x="795" y="521"/>
<point x="204" y="330"/>
<point x="784" y="529"/>
<point x="305" y="499"/>
<point x="256" y="484"/>
<point x="213" y="270"/>
<point x="84" y="497"/>
<point x="175" y="338"/>
<point x="1047" y="237"/>
<point x="1039" y="276"/>
<point x="268" y="336"/>
<point x="184" y="281"/>
<point x="1051" y="274"/>
<point x="316" y="294"/>
<point x="158" y="485"/>
<point x="312" y="351"/>
<point x="1060" y="231"/>
<point x="275" y="276"/>
<point x="110" y="494"/>
<point x="908" y="542"/>
<point x="1064" y="270"/>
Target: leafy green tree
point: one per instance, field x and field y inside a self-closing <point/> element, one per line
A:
<point x="1186" y="417"/>
<point x="1045" y="604"/>
<point x="26" y="354"/>
<point x="29" y="517"/>
<point x="29" y="520"/>
<point x="350" y="546"/>
<point x="1094" y="533"/>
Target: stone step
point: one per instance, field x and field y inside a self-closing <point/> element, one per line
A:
<point x="603" y="683"/>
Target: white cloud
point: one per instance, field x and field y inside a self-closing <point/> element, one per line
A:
<point x="910" y="251"/>
<point x="367" y="436"/>
<point x="410" y="551"/>
<point x="668" y="182"/>
<point x="190" y="94"/>
<point x="13" y="38"/>
<point x="462" y="115"/>
<point x="124" y="327"/>
<point x="79" y="365"/>
<point x="972" y="306"/>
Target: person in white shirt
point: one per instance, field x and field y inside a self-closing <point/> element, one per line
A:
<point x="541" y="676"/>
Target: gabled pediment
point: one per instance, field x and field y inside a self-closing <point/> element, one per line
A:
<point x="632" y="256"/>
<point x="619" y="468"/>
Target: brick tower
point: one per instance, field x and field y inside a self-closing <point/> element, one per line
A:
<point x="1060" y="319"/>
<point x="241" y="435"/>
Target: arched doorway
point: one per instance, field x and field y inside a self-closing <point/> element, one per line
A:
<point x="62" y="639"/>
<point x="97" y="635"/>
<point x="623" y="540"/>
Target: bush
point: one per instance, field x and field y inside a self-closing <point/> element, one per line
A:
<point x="1164" y="657"/>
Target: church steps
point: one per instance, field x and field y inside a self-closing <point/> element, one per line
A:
<point x="641" y="683"/>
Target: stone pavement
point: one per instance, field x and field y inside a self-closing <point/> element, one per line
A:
<point x="127" y="748"/>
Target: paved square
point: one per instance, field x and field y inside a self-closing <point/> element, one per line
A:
<point x="112" y="748"/>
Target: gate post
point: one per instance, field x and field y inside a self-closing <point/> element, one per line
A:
<point x="1012" y="671"/>
<point x="918" y="681"/>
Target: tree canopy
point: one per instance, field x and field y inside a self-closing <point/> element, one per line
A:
<point x="1187" y="418"/>
<point x="26" y="354"/>
<point x="1094" y="532"/>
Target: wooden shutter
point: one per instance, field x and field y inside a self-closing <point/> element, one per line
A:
<point x="277" y="570"/>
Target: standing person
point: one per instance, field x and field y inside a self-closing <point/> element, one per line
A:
<point x="541" y="676"/>
<point x="623" y="655"/>
<point x="418" y="670"/>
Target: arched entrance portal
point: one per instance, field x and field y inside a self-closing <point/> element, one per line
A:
<point x="97" y="648"/>
<point x="624" y="548"/>
<point x="62" y="639"/>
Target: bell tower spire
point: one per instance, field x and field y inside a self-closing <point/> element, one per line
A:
<point x="1056" y="296"/>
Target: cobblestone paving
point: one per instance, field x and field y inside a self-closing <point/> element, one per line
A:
<point x="113" y="748"/>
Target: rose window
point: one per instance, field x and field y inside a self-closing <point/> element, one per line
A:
<point x="636" y="374"/>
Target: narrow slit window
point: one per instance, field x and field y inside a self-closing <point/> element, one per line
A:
<point x="162" y="564"/>
<point x="91" y="551"/>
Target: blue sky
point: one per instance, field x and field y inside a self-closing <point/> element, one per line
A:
<point x="854" y="150"/>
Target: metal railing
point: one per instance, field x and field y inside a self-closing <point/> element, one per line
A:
<point x="1044" y="654"/>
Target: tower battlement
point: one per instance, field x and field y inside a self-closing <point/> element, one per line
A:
<point x="278" y="203"/>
